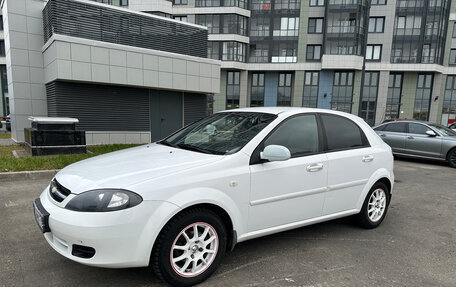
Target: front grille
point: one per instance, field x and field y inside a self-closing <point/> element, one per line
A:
<point x="57" y="191"/>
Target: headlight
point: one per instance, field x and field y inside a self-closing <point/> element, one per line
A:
<point x="102" y="200"/>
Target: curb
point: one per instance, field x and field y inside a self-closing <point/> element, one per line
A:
<point x="27" y="175"/>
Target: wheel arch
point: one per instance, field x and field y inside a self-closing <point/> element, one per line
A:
<point x="381" y="175"/>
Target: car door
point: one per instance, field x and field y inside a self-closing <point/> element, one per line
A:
<point x="351" y="162"/>
<point x="395" y="134"/>
<point x="293" y="190"/>
<point x="421" y="144"/>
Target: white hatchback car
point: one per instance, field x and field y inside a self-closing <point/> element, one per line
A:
<point x="179" y="204"/>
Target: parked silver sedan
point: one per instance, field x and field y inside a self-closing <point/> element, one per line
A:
<point x="420" y="140"/>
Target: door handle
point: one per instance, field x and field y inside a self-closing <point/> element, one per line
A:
<point x="410" y="137"/>
<point x="383" y="135"/>
<point x="314" y="167"/>
<point x="368" y="158"/>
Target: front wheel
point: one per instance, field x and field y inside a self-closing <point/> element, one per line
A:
<point x="189" y="248"/>
<point x="375" y="206"/>
<point x="451" y="158"/>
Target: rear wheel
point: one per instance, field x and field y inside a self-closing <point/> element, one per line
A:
<point x="189" y="248"/>
<point x="375" y="206"/>
<point x="451" y="158"/>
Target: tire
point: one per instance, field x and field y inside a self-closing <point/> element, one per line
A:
<point x="451" y="158"/>
<point x="177" y="240"/>
<point x="377" y="199"/>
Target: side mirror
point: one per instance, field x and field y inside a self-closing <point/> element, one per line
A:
<point x="275" y="153"/>
<point x="431" y="133"/>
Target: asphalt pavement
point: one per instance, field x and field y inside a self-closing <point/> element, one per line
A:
<point x="415" y="245"/>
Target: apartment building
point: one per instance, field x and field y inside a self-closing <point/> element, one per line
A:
<point x="129" y="77"/>
<point x="379" y="59"/>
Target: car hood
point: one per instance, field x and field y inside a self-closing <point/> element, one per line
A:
<point x="130" y="166"/>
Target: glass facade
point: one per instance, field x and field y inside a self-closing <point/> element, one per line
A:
<point x="423" y="97"/>
<point x="257" y="90"/>
<point x="223" y="23"/>
<point x="284" y="89"/>
<point x="274" y="31"/>
<point x="369" y="94"/>
<point x="233" y="89"/>
<point x="420" y="31"/>
<point x="222" y="3"/>
<point x="310" y="94"/>
<point x="393" y="100"/>
<point x="113" y="2"/>
<point x="345" y="27"/>
<point x="342" y="97"/>
<point x="449" y="101"/>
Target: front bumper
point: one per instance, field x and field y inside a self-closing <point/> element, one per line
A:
<point x="120" y="238"/>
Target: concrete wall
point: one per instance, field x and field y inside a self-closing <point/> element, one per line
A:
<point x="120" y="137"/>
<point x="408" y="95"/>
<point x="23" y="31"/>
<point x="77" y="59"/>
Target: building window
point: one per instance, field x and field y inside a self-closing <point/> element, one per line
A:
<point x="287" y="4"/>
<point x="313" y="52"/>
<point x="213" y="50"/>
<point x="317" y="3"/>
<point x="207" y="3"/>
<point x="286" y="27"/>
<point x="233" y="51"/>
<point x="181" y="18"/>
<point x="310" y="95"/>
<point x="284" y="52"/>
<point x="212" y="22"/>
<point x="236" y="3"/>
<point x="233" y="89"/>
<point x="259" y="53"/>
<point x="393" y="99"/>
<point x="378" y="2"/>
<point x="180" y="2"/>
<point x="376" y="24"/>
<point x="2" y="48"/>
<point x="261" y="5"/>
<point x="423" y="97"/>
<point x="284" y="89"/>
<point x="454" y="29"/>
<point x="234" y="24"/>
<point x="315" y="26"/>
<point x="453" y="57"/>
<point x="259" y="26"/>
<point x="257" y="90"/>
<point x="449" y="101"/>
<point x="113" y="2"/>
<point x="373" y="52"/>
<point x="428" y="54"/>
<point x="408" y="25"/>
<point x="369" y="97"/>
<point x="342" y="97"/>
<point x="1" y="22"/>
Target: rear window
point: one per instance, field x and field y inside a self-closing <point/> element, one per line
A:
<point x="342" y="133"/>
<point x="396" y="127"/>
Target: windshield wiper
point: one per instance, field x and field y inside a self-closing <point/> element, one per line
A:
<point x="167" y="143"/>
<point x="192" y="148"/>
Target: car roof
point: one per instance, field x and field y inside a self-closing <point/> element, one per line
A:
<point x="406" y="120"/>
<point x="288" y="111"/>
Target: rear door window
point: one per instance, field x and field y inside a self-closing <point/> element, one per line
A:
<point x="396" y="127"/>
<point x="342" y="133"/>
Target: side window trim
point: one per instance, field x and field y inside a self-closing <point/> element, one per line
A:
<point x="255" y="156"/>
<point x="364" y="139"/>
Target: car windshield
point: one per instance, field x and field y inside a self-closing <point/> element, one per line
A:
<point x="444" y="130"/>
<point x="221" y="133"/>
